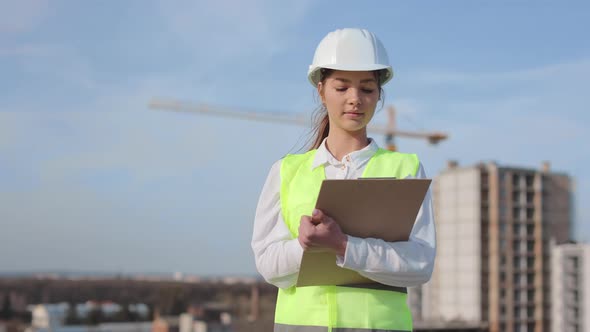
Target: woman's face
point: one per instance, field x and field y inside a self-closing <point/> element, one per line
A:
<point x="350" y="98"/>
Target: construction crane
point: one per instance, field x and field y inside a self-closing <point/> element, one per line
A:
<point x="390" y="131"/>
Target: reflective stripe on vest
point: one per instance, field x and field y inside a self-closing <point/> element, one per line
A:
<point x="337" y="308"/>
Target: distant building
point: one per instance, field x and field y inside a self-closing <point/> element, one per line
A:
<point x="207" y="317"/>
<point x="140" y="308"/>
<point x="570" y="294"/>
<point x="46" y="316"/>
<point x="51" y="316"/>
<point x="189" y="324"/>
<point x="109" y="308"/>
<point x="125" y="327"/>
<point x="493" y="259"/>
<point x="160" y="324"/>
<point x="104" y="327"/>
<point x="178" y="276"/>
<point x="449" y="327"/>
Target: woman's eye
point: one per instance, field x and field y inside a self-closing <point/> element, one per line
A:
<point x="342" y="89"/>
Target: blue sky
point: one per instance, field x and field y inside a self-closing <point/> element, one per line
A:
<point x="93" y="180"/>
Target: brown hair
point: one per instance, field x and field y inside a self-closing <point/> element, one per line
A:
<point x="321" y="121"/>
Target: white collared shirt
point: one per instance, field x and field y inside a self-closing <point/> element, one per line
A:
<point x="278" y="255"/>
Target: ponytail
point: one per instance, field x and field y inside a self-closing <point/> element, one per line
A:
<point x="321" y="121"/>
<point x="321" y="128"/>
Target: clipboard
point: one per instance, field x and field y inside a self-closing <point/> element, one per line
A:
<point x="384" y="208"/>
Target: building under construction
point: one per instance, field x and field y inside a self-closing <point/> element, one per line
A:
<point x="570" y="268"/>
<point x="494" y="227"/>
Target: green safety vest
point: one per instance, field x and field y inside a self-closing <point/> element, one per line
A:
<point x="351" y="308"/>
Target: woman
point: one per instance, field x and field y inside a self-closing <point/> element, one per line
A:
<point x="349" y="68"/>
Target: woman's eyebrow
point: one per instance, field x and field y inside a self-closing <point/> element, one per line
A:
<point x="366" y="80"/>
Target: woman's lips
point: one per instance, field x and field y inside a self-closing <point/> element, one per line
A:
<point x="353" y="114"/>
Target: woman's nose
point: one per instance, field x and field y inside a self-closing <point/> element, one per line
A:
<point x="354" y="97"/>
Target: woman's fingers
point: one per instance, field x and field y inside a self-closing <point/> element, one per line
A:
<point x="317" y="216"/>
<point x="319" y="232"/>
<point x="306" y="228"/>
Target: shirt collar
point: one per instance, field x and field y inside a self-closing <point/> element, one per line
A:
<point x="359" y="157"/>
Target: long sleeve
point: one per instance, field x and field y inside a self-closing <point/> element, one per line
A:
<point x="404" y="263"/>
<point x="277" y="255"/>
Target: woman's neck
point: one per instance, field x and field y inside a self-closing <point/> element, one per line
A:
<point x="342" y="143"/>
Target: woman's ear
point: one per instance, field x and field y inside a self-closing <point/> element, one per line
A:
<point x="321" y="92"/>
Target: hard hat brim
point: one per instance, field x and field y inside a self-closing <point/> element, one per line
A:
<point x="314" y="74"/>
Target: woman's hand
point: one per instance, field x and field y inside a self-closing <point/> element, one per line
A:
<point x="320" y="231"/>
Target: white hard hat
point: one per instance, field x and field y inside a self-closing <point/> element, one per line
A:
<point x="351" y="50"/>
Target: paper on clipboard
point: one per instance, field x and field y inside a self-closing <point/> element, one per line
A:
<point x="384" y="208"/>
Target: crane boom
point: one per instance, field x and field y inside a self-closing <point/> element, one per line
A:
<point x="292" y="118"/>
<point x="177" y="106"/>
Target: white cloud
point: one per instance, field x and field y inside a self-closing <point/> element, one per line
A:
<point x="232" y="29"/>
<point x="219" y="35"/>
<point x="147" y="144"/>
<point x="549" y="72"/>
<point x="56" y="65"/>
<point x="27" y="50"/>
<point x="22" y="15"/>
<point x="68" y="227"/>
<point x="546" y="75"/>
<point x="438" y="76"/>
<point x="544" y="105"/>
<point x="10" y="133"/>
